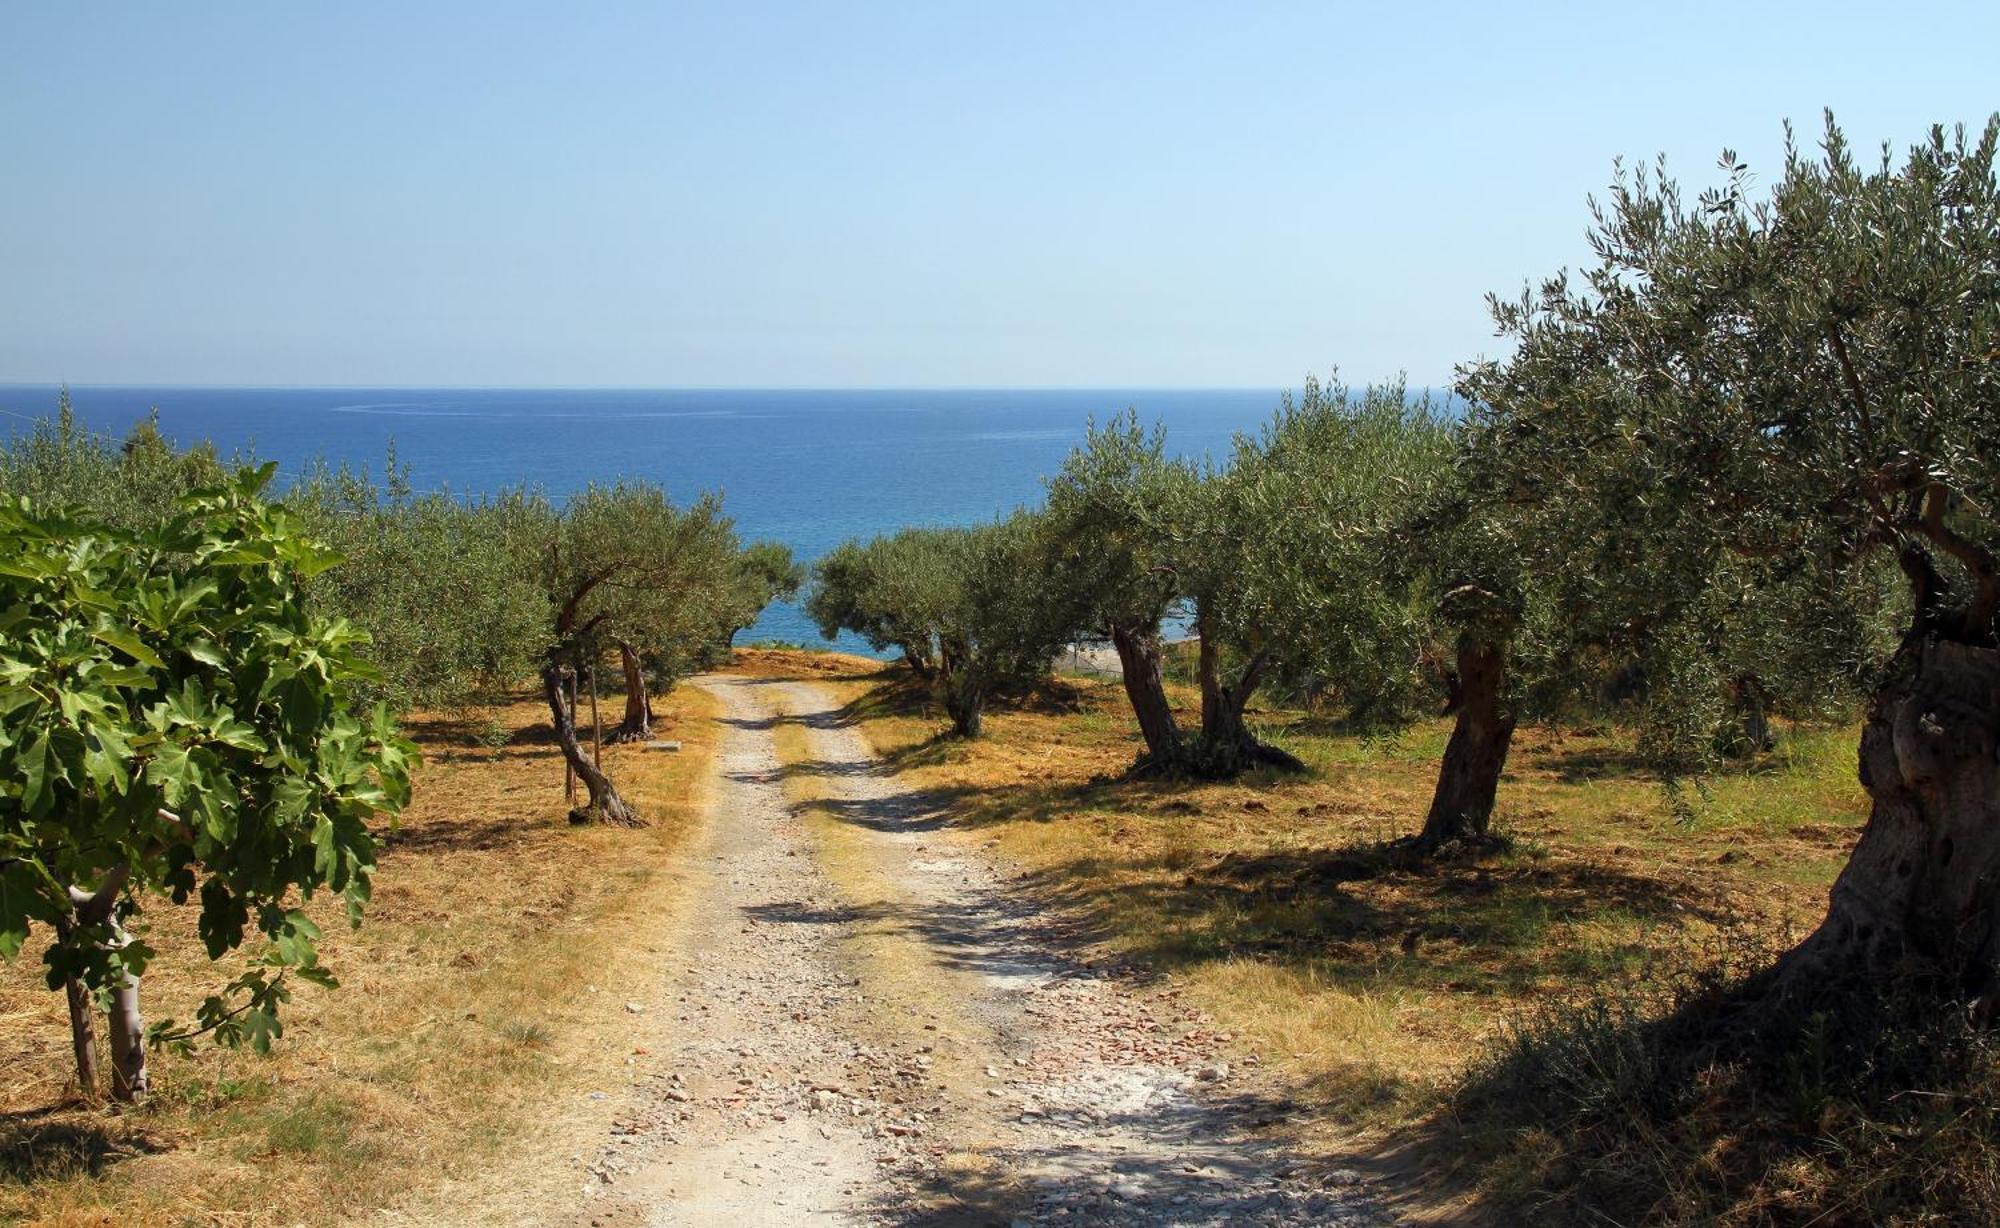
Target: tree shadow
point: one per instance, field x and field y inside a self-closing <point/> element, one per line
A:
<point x="441" y="729"/>
<point x="1717" y="1086"/>
<point x="61" y="1141"/>
<point x="1366" y="913"/>
<point x="542" y="733"/>
<point x="907" y="811"/>
<point x="1586" y="764"/>
<point x="1185" y="1175"/>
<point x="483" y="835"/>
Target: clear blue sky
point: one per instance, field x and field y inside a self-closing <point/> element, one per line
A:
<point x="828" y="194"/>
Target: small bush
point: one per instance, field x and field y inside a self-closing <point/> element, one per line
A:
<point x="495" y="735"/>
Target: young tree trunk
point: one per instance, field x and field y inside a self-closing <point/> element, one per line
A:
<point x="1462" y="806"/>
<point x="82" y="1022"/>
<point x="1227" y="744"/>
<point x="1139" y="654"/>
<point x="129" y="1080"/>
<point x="1921" y="890"/>
<point x="637" y="725"/>
<point x="604" y="804"/>
<point x="1752" y="709"/>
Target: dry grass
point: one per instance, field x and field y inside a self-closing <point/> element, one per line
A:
<point x="466" y="1005"/>
<point x="1366" y="985"/>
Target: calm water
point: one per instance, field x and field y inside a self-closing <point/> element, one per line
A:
<point x="806" y="468"/>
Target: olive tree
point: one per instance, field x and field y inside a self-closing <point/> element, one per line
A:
<point x="179" y="726"/>
<point x="132" y="483"/>
<point x="1004" y="621"/>
<point x="625" y="568"/>
<point x="1113" y="553"/>
<point x="1290" y="562"/>
<point x="974" y="604"/>
<point x="1807" y="379"/>
<point x="448" y="588"/>
<point x="888" y="590"/>
<point x="764" y="572"/>
<point x="1472" y="568"/>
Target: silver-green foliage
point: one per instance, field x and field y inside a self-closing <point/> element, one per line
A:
<point x="973" y="608"/>
<point x="1782" y="394"/>
<point x="448" y="588"/>
<point x="1294" y="551"/>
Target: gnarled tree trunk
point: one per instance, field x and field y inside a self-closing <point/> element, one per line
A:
<point x="1227" y="743"/>
<point x="963" y="698"/>
<point x="1462" y="806"/>
<point x="637" y="725"/>
<point x="919" y="662"/>
<point x="967" y="710"/>
<point x="604" y="804"/>
<point x="1922" y="887"/>
<point x="1139" y="656"/>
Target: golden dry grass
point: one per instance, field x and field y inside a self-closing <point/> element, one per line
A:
<point x="1364" y="985"/>
<point x="465" y="1005"/>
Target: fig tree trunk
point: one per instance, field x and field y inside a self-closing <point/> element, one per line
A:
<point x="1922" y="887"/>
<point x="1139" y="656"/>
<point x="129" y="1079"/>
<point x="1227" y="745"/>
<point x="604" y="804"/>
<point x="637" y="724"/>
<point x="1462" y="806"/>
<point x="82" y="1022"/>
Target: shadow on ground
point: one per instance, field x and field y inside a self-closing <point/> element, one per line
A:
<point x="61" y="1141"/>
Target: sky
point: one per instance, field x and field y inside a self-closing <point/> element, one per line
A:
<point x="869" y="195"/>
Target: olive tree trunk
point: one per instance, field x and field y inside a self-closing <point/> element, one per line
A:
<point x="967" y="711"/>
<point x="1753" y="713"/>
<point x="637" y="725"/>
<point x="604" y="804"/>
<point x="1462" y="806"/>
<point x="1922" y="887"/>
<point x="1227" y="745"/>
<point x="1139" y="655"/>
<point x="959" y="690"/>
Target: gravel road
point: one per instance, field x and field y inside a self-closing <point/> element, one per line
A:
<point x="1014" y="1084"/>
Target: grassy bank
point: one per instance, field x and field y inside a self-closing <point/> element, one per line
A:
<point x="468" y="1004"/>
<point x="1366" y="987"/>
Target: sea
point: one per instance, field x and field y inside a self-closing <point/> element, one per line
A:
<point x="807" y="468"/>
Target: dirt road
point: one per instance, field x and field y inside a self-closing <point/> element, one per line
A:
<point x="864" y="1027"/>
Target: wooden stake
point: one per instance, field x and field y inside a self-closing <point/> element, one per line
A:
<point x="569" y="769"/>
<point x="596" y="727"/>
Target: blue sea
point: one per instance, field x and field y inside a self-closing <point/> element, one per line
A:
<point x="806" y="468"/>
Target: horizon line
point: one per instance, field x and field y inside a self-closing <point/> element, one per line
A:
<point x="306" y="387"/>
